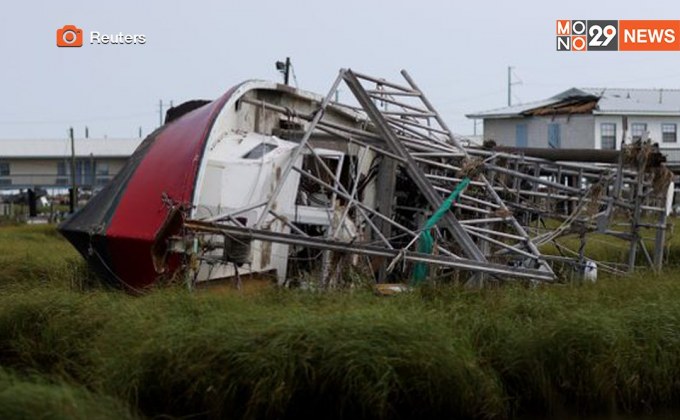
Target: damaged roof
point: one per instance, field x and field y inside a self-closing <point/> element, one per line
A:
<point x="598" y="101"/>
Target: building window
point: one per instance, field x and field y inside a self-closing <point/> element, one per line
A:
<point x="85" y="173"/>
<point x="608" y="135"/>
<point x="554" y="136"/>
<point x="638" y="130"/>
<point x="102" y="173"/>
<point x="4" y="172"/>
<point x="62" y="173"/>
<point x="102" y="168"/>
<point x="669" y="133"/>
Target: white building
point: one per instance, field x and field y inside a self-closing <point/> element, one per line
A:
<point x="46" y="163"/>
<point x="587" y="118"/>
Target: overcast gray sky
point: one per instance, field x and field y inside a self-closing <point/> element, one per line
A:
<point x="458" y="51"/>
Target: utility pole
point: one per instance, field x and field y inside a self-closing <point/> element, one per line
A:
<point x="73" y="196"/>
<point x="509" y="85"/>
<point x="93" y="172"/>
<point x="160" y="110"/>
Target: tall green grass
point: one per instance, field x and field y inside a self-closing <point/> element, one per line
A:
<point x="271" y="356"/>
<point x="36" y="398"/>
<point x="439" y="351"/>
<point x="37" y="254"/>
<point x="586" y="349"/>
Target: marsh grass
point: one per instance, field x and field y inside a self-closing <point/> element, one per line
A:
<point x="32" y="397"/>
<point x="440" y="351"/>
<point x="36" y="254"/>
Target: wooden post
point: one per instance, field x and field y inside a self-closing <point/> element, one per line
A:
<point x="73" y="196"/>
<point x="92" y="173"/>
<point x="660" y="241"/>
<point x="637" y="213"/>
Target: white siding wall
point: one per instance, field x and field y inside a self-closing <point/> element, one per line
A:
<point x="653" y="127"/>
<point x="43" y="172"/>
<point x="32" y="171"/>
<point x="576" y="131"/>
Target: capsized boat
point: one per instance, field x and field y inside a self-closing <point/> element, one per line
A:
<point x="210" y="159"/>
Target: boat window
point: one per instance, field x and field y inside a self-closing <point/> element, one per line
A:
<point x="259" y="151"/>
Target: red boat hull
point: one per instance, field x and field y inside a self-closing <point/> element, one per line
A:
<point x="116" y="230"/>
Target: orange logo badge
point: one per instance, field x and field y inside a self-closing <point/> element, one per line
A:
<point x="69" y="36"/>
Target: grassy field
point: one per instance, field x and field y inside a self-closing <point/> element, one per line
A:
<point x="67" y="351"/>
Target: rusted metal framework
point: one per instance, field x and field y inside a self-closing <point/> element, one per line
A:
<point x="399" y="163"/>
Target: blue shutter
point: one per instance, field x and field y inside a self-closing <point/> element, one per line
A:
<point x="521" y="135"/>
<point x="87" y="173"/>
<point x="554" y="136"/>
<point x="79" y="172"/>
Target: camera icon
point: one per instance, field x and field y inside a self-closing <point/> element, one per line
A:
<point x="69" y="36"/>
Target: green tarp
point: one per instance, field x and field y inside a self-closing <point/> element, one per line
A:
<point x="425" y="244"/>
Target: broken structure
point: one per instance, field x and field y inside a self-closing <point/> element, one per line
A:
<point x="270" y="179"/>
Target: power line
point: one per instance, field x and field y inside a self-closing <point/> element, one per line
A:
<point x="511" y="83"/>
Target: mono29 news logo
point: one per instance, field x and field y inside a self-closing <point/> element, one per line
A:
<point x="617" y="35"/>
